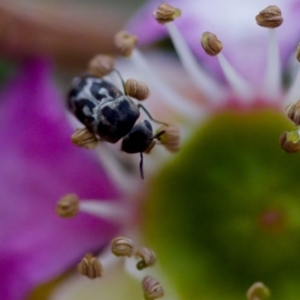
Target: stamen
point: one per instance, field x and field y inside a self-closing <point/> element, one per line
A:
<point x="136" y="89"/>
<point x="166" y="13"/>
<point x="131" y="269"/>
<point x="125" y="43"/>
<point x="84" y="138"/>
<point x="141" y="275"/>
<point x="210" y="43"/>
<point x="258" y="291"/>
<point x="152" y="288"/>
<point x="105" y="210"/>
<point x="290" y="141"/>
<point x="107" y="258"/>
<point x="90" y="266"/>
<point x="271" y="18"/>
<point x="237" y="83"/>
<point x="170" y="138"/>
<point x="213" y="46"/>
<point x="173" y="99"/>
<point x="101" y="65"/>
<point x="293" y="112"/>
<point x="68" y="206"/>
<point x="294" y="90"/>
<point x="113" y="166"/>
<point x="200" y="78"/>
<point x="272" y="87"/>
<point x="148" y="257"/>
<point x="122" y="246"/>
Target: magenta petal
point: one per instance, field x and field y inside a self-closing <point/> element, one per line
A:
<point x="144" y="25"/>
<point x="233" y="21"/>
<point x="38" y="166"/>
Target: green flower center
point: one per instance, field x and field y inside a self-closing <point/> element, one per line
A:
<point x="226" y="211"/>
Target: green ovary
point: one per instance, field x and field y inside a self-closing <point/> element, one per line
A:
<point x="225" y="212"/>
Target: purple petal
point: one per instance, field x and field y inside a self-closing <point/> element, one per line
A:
<point x="38" y="166"/>
<point x="233" y="21"/>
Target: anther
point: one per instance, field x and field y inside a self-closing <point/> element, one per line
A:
<point x="90" y="266"/>
<point x="170" y="137"/>
<point x="101" y="65"/>
<point x="298" y="52"/>
<point x="293" y="112"/>
<point x="212" y="46"/>
<point x="125" y="43"/>
<point x="148" y="258"/>
<point x="258" y="291"/>
<point x="166" y="13"/>
<point x="152" y="288"/>
<point x="122" y="246"/>
<point x="270" y="17"/>
<point x="68" y="206"/>
<point x="136" y="89"/>
<point x="210" y="43"/>
<point x="84" y="138"/>
<point x="289" y="143"/>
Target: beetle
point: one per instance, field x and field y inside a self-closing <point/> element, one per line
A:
<point x="111" y="114"/>
<point x="102" y="107"/>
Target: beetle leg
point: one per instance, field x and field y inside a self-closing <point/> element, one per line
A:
<point x="158" y="134"/>
<point x="122" y="80"/>
<point x="148" y="114"/>
<point x="141" y="166"/>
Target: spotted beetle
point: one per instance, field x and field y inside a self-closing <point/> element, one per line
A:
<point x="102" y="108"/>
<point x="111" y="114"/>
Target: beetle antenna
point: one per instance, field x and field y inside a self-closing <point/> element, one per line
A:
<point x="141" y="166"/>
<point x="150" y="117"/>
<point x="122" y="80"/>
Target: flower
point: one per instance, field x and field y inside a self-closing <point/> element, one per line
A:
<point x="223" y="207"/>
<point x="37" y="154"/>
<point x="38" y="166"/>
<point x="224" y="213"/>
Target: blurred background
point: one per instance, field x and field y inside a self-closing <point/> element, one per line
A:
<point x="68" y="31"/>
